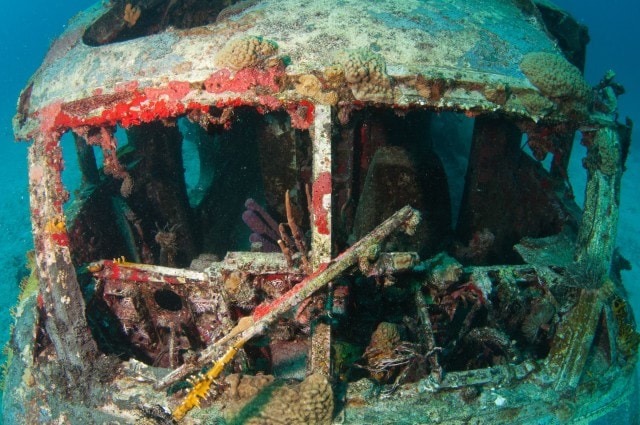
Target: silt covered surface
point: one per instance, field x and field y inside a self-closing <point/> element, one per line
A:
<point x="477" y="43"/>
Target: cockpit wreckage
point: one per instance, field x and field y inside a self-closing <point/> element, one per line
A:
<point x="316" y="212"/>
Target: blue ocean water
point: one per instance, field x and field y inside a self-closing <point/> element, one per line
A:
<point x="26" y="31"/>
<point x="28" y="28"/>
<point x="615" y="33"/>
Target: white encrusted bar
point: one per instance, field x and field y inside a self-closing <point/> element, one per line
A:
<point x="320" y="353"/>
<point x="321" y="186"/>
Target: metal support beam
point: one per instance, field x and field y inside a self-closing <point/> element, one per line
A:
<point x="321" y="186"/>
<point x="321" y="229"/>
<point x="598" y="230"/>
<point x="572" y="342"/>
<point x="60" y="293"/>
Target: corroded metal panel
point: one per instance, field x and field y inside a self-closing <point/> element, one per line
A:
<point x="573" y="341"/>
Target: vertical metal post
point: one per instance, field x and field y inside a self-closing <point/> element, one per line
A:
<point x="595" y="244"/>
<point x="321" y="186"/>
<point x="321" y="231"/>
<point x="573" y="340"/>
<point x="59" y="292"/>
<point x="86" y="161"/>
<point x="598" y="229"/>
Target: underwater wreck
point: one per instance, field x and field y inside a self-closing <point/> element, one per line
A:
<point x="373" y="235"/>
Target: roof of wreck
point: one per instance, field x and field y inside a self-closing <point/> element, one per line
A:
<point x="452" y="54"/>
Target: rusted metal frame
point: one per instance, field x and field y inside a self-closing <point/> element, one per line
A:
<point x="598" y="229"/>
<point x="428" y="337"/>
<point x="405" y="219"/>
<point x="575" y="335"/>
<point x="572" y="342"/>
<point x="138" y="278"/>
<point x="59" y="292"/>
<point x="496" y="375"/>
<point x="321" y="238"/>
<point x="595" y="243"/>
<point x="253" y="262"/>
<point x="122" y="212"/>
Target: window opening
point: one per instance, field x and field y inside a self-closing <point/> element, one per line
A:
<point x="452" y="133"/>
<point x="197" y="176"/>
<point x="526" y="148"/>
<point x="127" y="20"/>
<point x="577" y="173"/>
<point x="73" y="178"/>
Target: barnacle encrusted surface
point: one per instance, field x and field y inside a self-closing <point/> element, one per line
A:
<point x="554" y="75"/>
<point x="534" y="103"/>
<point x="366" y="74"/>
<point x="246" y="52"/>
<point x="309" y="402"/>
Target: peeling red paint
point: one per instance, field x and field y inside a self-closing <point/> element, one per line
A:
<point x="130" y="105"/>
<point x="224" y="81"/>
<point x="264" y="309"/>
<point x="175" y="90"/>
<point x="270" y="102"/>
<point x="138" y="108"/>
<point x="321" y="187"/>
<point x="301" y="114"/>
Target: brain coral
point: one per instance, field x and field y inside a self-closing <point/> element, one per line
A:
<point x="309" y="402"/>
<point x="381" y="350"/>
<point x="554" y="76"/>
<point x="246" y="52"/>
<point x="366" y="74"/>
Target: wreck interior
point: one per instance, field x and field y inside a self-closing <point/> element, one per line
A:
<point x="383" y="161"/>
<point x="415" y="232"/>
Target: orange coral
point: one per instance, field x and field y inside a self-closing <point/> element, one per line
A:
<point x="55" y="225"/>
<point x="309" y="85"/>
<point x="131" y="14"/>
<point x="201" y="385"/>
